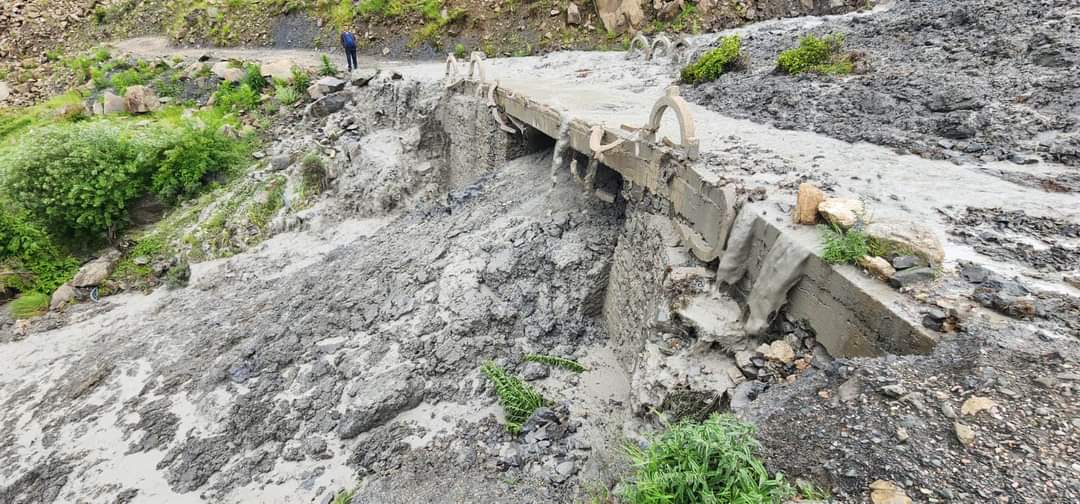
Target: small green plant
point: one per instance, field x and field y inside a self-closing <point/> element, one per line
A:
<point x="712" y="461"/>
<point x="842" y="247"/>
<point x="811" y="492"/>
<point x="817" y="55"/>
<point x="459" y="51"/>
<point x="327" y="68"/>
<point x="344" y="497"/>
<point x="711" y="65"/>
<point x="253" y="77"/>
<point x="559" y="362"/>
<point x="287" y="95"/>
<point x="232" y="97"/>
<point x="313" y="171"/>
<point x="518" y="399"/>
<point x="301" y="80"/>
<point x="30" y="305"/>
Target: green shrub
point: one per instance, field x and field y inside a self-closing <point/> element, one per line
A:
<point x="343" y="13"/>
<point x="253" y="77"/>
<point x="30" y="305"/>
<point x="817" y="55"/>
<point x="518" y="399"/>
<point x="190" y="155"/>
<point x="843" y="247"/>
<point x="370" y="8"/>
<point x="327" y="69"/>
<point x="77" y="178"/>
<point x="287" y="95"/>
<point x="169" y="86"/>
<point x="123" y="80"/>
<point x="713" y="461"/>
<point x="301" y="80"/>
<point x="33" y="261"/>
<point x="716" y="62"/>
<point x="459" y="51"/>
<point x="232" y="97"/>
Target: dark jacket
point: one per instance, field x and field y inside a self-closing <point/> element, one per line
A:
<point x="348" y="40"/>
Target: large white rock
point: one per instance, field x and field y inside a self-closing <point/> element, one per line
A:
<point x="113" y="103"/>
<point x="63" y="295"/>
<point x="97" y="271"/>
<point x="140" y="100"/>
<point x="4" y="91"/>
<point x="620" y="15"/>
<point x="903" y="237"/>
<point x="841" y="212"/>
<point x="280" y="69"/>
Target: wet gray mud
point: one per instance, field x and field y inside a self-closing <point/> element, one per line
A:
<point x="351" y="351"/>
<point x="965" y="80"/>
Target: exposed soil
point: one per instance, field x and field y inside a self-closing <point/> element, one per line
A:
<point x="971" y="80"/>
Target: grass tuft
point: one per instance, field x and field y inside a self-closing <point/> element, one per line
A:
<point x="559" y="362"/>
<point x="843" y="247"/>
<point x="714" y="461"/>
<point x="30" y="305"/>
<point x="343" y="497"/>
<point x="518" y="399"/>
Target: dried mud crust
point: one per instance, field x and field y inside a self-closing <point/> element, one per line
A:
<point x="971" y="79"/>
<point x="895" y="419"/>
<point x="318" y="363"/>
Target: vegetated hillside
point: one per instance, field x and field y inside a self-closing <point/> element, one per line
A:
<point x="34" y="33"/>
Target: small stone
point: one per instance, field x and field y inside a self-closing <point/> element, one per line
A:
<point x="258" y="154"/>
<point x="948" y="411"/>
<point x="566" y="468"/>
<point x="894" y="391"/>
<point x="907" y="261"/>
<point x="806" y="203"/>
<point x="534" y="371"/>
<point x="386" y="51"/>
<point x="573" y="14"/>
<point x="280" y="162"/>
<point x="1046" y="381"/>
<point x="976" y="404"/>
<point x="841" y="212"/>
<point x="877" y="266"/>
<point x="909" y="277"/>
<point x="964" y="434"/>
<point x="1043" y="411"/>
<point x="902" y="435"/>
<point x="849" y="390"/>
<point x="887" y="492"/>
<point x="780" y="351"/>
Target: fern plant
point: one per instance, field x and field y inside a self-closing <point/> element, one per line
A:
<point x="559" y="362"/>
<point x="518" y="399"/>
<point x="327" y="69"/>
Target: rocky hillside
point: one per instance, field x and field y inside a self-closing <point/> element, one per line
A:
<point x="36" y="34"/>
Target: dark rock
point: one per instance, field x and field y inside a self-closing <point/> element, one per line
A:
<point x="745" y="393"/>
<point x="907" y="261"/>
<point x="327" y="105"/>
<point x="974" y="273"/>
<point x="908" y="277"/>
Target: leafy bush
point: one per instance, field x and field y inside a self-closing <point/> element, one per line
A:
<point x="33" y="261"/>
<point x="78" y="178"/>
<point x="342" y="14"/>
<point x="327" y="69"/>
<point x="709" y="462"/>
<point x="253" y="77"/>
<point x="369" y="8"/>
<point x="716" y="62"/>
<point x="518" y="399"/>
<point x="301" y="80"/>
<point x="189" y="155"/>
<point x="818" y="55"/>
<point x="232" y="97"/>
<point x="29" y="305"/>
<point x="843" y="247"/>
<point x="459" y="51"/>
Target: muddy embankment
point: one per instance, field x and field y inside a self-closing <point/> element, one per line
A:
<point x="348" y="348"/>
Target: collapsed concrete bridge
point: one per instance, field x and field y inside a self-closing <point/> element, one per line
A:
<point x="852" y="314"/>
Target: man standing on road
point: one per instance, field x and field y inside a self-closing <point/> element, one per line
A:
<point x="348" y="41"/>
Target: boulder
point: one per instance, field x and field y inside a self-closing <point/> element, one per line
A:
<point x="806" y="203"/>
<point x="877" y="266"/>
<point x="140" y="100"/>
<point x="314" y="92"/>
<point x="97" y="271"/>
<point x="573" y="14"/>
<point x="280" y="69"/>
<point x="669" y="10"/>
<point x="63" y="295"/>
<point x="361" y="78"/>
<point x="329" y="85"/>
<point x="908" y="237"/>
<point x="327" y="105"/>
<point x="886" y="492"/>
<point x="619" y="16"/>
<point x="112" y="104"/>
<point x="220" y="68"/>
<point x="779" y="351"/>
<point x="841" y="212"/>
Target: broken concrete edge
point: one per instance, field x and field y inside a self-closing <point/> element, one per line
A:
<point x="854" y="315"/>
